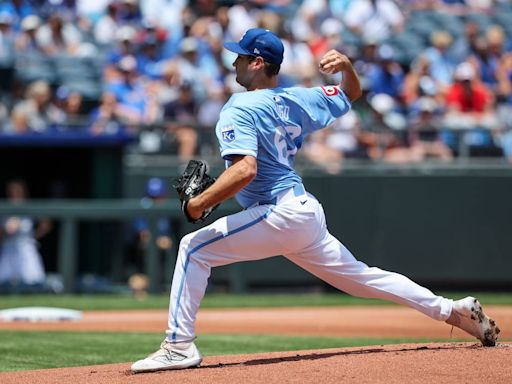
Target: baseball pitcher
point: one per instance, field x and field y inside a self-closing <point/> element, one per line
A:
<point x="259" y="133"/>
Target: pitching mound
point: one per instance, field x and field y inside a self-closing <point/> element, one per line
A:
<point x="427" y="363"/>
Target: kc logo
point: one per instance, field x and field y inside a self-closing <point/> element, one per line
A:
<point x="228" y="133"/>
<point x="330" y="90"/>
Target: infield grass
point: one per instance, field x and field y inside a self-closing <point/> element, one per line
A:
<point x="117" y="302"/>
<point x="22" y="350"/>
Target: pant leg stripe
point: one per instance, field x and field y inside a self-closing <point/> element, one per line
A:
<point x="198" y="247"/>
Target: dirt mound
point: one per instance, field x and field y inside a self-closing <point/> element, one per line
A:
<point x="419" y="363"/>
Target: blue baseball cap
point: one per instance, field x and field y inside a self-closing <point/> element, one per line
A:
<point x="259" y="42"/>
<point x="155" y="187"/>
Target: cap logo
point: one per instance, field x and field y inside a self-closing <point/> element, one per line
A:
<point x="256" y="51"/>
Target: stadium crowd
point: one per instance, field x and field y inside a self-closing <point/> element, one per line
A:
<point x="437" y="74"/>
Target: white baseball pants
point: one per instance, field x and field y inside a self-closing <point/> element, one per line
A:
<point x="295" y="227"/>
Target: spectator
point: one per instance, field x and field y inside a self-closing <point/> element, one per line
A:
<point x="241" y="16"/>
<point x="150" y="61"/>
<point x="7" y="52"/>
<point x="164" y="13"/>
<point x="298" y="61"/>
<point x="317" y="150"/>
<point x="181" y="123"/>
<point x="465" y="44"/>
<point x="129" y="12"/>
<point x="125" y="47"/>
<point x="367" y="57"/>
<point x="156" y="192"/>
<point x="346" y="136"/>
<point x="328" y="38"/>
<point x="418" y="82"/>
<point x="485" y="63"/>
<point x="209" y="111"/>
<point x="168" y="85"/>
<point x="442" y="64"/>
<point x="385" y="139"/>
<point x="35" y="113"/>
<point x="469" y="101"/>
<point x="425" y="137"/>
<point x="69" y="113"/>
<point x="20" y="261"/>
<point x="108" y="117"/>
<point x="387" y="76"/>
<point x="136" y="104"/>
<point x="58" y="36"/>
<point x="193" y="70"/>
<point x="18" y="9"/>
<point x="26" y="41"/>
<point x="376" y="18"/>
<point x="106" y="28"/>
<point x="496" y="40"/>
<point x="471" y="108"/>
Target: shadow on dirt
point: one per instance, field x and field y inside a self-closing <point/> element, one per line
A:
<point x="317" y="356"/>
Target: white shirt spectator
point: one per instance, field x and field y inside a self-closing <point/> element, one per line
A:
<point x="106" y="28"/>
<point x="70" y="35"/>
<point x="298" y="59"/>
<point x="240" y="21"/>
<point x="164" y="13"/>
<point x="375" y="18"/>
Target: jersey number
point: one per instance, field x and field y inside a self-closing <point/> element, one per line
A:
<point x="284" y="141"/>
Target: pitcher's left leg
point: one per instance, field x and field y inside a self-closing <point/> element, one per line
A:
<point x="332" y="262"/>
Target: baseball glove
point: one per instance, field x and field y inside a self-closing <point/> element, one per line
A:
<point x="192" y="182"/>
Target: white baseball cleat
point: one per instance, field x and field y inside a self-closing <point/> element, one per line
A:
<point x="468" y="315"/>
<point x="170" y="356"/>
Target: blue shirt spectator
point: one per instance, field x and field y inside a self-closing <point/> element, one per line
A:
<point x="387" y="76"/>
<point x="442" y="64"/>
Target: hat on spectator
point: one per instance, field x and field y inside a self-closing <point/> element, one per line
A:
<point x="370" y="39"/>
<point x="386" y="52"/>
<point x="331" y="27"/>
<point x="464" y="71"/>
<point x="126" y="33"/>
<point x="30" y="22"/>
<point x="62" y="93"/>
<point x="259" y="42"/>
<point x="382" y="103"/>
<point x="155" y="187"/>
<point x="189" y="44"/>
<point x="427" y="104"/>
<point x="6" y="18"/>
<point x="127" y="63"/>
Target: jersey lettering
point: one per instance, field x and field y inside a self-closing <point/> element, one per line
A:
<point x="285" y="144"/>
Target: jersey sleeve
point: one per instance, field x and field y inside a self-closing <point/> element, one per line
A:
<point x="236" y="133"/>
<point x="323" y="105"/>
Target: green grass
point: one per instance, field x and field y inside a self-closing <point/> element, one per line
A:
<point x="20" y="350"/>
<point x="113" y="302"/>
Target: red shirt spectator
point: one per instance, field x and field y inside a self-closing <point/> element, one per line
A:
<point x="465" y="95"/>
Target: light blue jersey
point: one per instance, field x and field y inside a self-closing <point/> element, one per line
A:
<point x="271" y="125"/>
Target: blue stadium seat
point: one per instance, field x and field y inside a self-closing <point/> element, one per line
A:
<point x="481" y="19"/>
<point x="69" y="68"/>
<point x="504" y="19"/>
<point x="31" y="67"/>
<point x="89" y="90"/>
